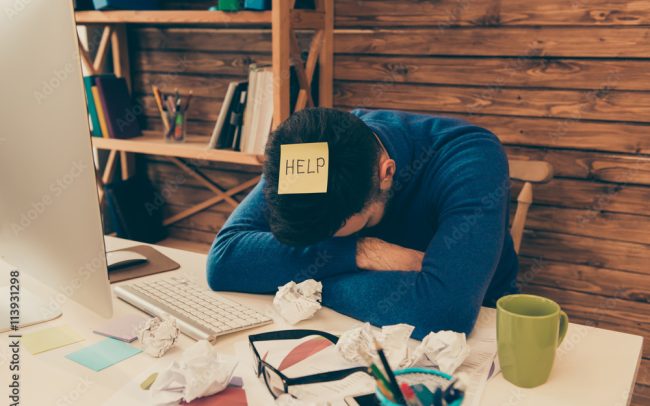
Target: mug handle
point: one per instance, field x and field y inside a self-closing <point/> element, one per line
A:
<point x="564" y="326"/>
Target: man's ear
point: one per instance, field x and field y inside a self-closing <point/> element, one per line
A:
<point x="386" y="173"/>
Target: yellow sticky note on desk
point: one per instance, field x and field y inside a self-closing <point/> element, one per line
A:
<point x="303" y="168"/>
<point x="49" y="339"/>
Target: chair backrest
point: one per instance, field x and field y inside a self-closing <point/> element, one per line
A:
<point x="528" y="172"/>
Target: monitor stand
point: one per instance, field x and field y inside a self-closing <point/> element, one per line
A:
<point x="33" y="309"/>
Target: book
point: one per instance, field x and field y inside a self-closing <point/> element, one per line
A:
<point x="257" y="4"/>
<point x="234" y="117"/>
<point x="100" y="112"/>
<point x="229" y="5"/>
<point x="237" y="119"/>
<point x="93" y="119"/>
<point x="119" y="112"/>
<point x="258" y="116"/>
<point x="221" y="120"/>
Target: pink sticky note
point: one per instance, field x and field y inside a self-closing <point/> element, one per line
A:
<point x="123" y="328"/>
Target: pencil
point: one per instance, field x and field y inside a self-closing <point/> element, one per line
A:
<point x="378" y="375"/>
<point x="394" y="386"/>
<point x="161" y="109"/>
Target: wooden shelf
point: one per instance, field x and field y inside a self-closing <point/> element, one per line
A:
<point x="300" y="19"/>
<point x="194" y="147"/>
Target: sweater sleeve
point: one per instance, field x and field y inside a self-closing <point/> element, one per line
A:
<point x="470" y="196"/>
<point x="246" y="257"/>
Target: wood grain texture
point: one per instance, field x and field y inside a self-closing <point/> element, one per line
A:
<point x="567" y="104"/>
<point x="584" y="278"/>
<point x="512" y="72"/>
<point x="614" y="168"/>
<point x="204" y="63"/>
<point x="596" y="252"/>
<point x="486" y="13"/>
<point x="590" y="223"/>
<point x="559" y="42"/>
<point x="595" y="196"/>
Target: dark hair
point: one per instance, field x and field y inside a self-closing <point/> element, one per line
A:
<point x="304" y="219"/>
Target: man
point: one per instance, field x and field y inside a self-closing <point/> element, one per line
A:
<point x="413" y="227"/>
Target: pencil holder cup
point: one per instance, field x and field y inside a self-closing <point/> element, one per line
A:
<point x="178" y="129"/>
<point x="407" y="375"/>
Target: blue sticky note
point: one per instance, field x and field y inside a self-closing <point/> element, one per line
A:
<point x="103" y="354"/>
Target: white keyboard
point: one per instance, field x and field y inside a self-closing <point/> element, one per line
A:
<point x="199" y="313"/>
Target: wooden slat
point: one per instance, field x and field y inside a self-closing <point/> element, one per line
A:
<point x="202" y="108"/>
<point x="580" y="194"/>
<point x="281" y="54"/>
<point x="497" y="42"/>
<point x="615" y="168"/>
<point x="561" y="42"/>
<point x="121" y="62"/>
<point x="569" y="104"/>
<point x="511" y="72"/>
<point x="597" y="252"/>
<point x="326" y="59"/>
<point x="443" y="13"/>
<point x="201" y="86"/>
<point x="192" y="148"/>
<point x="203" y="39"/>
<point x="299" y="18"/>
<point x="560" y="133"/>
<point x="584" y="278"/>
<point x="632" y="316"/>
<point x="590" y="223"/>
<point x="641" y="396"/>
<point x="204" y="63"/>
<point x="102" y="49"/>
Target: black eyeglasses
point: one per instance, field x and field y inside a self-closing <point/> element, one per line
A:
<point x="276" y="381"/>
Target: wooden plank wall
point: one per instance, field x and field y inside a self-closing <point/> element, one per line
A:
<point x="567" y="81"/>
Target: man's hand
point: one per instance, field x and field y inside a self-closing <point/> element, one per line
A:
<point x="374" y="254"/>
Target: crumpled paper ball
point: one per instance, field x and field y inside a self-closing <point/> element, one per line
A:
<point x="199" y="372"/>
<point x="357" y="345"/>
<point x="158" y="336"/>
<point x="298" y="301"/>
<point x="447" y="350"/>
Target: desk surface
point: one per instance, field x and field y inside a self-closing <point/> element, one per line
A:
<point x="593" y="366"/>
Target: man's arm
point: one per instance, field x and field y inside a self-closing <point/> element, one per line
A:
<point x="245" y="257"/>
<point x="459" y="261"/>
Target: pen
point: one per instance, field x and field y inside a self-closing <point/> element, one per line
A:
<point x="409" y="395"/>
<point x="389" y="372"/>
<point x="187" y="102"/>
<point x="161" y="108"/>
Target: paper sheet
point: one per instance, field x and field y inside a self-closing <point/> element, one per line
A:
<point x="103" y="354"/>
<point x="483" y="351"/>
<point x="124" y="328"/>
<point x="49" y="339"/>
<point x="325" y="360"/>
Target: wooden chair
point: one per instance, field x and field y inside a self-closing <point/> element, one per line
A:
<point x="528" y="172"/>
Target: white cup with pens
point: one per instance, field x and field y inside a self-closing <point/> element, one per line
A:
<point x="173" y="112"/>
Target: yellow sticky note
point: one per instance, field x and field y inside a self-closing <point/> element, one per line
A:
<point x="49" y="339"/>
<point x="303" y="168"/>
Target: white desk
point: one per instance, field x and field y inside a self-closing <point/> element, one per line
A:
<point x="593" y="366"/>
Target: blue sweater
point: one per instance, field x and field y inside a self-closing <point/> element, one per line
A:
<point x="449" y="199"/>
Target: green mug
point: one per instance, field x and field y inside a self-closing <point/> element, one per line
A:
<point x="529" y="329"/>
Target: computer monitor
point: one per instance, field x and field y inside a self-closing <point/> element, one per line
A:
<point x="50" y="224"/>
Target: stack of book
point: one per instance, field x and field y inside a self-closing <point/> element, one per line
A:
<point x="246" y="115"/>
<point x="111" y="113"/>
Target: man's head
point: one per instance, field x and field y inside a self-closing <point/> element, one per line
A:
<point x="359" y="178"/>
